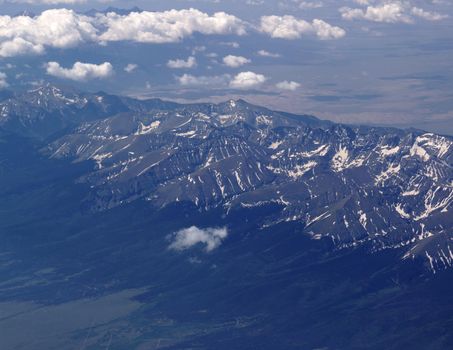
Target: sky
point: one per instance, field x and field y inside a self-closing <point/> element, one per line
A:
<point x="379" y="62"/>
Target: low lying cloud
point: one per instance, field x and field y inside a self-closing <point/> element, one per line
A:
<point x="290" y="27"/>
<point x="187" y="238"/>
<point x="80" y="71"/>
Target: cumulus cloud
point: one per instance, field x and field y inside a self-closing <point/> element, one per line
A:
<point x="19" y="46"/>
<point x="389" y="13"/>
<point x="288" y="85"/>
<point x="168" y="26"/>
<point x="235" y="61"/>
<point x="59" y="28"/>
<point x="247" y="80"/>
<point x="187" y="238"/>
<point x="80" y="71"/>
<point x="290" y="27"/>
<point x="191" y="62"/>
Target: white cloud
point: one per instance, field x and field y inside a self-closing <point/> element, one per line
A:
<point x="19" y="46"/>
<point x="80" y="71"/>
<point x="325" y="31"/>
<point x="389" y="11"/>
<point x="290" y="27"/>
<point x="130" y="67"/>
<point x="167" y="27"/>
<point x="187" y="238"/>
<point x="247" y="80"/>
<point x="288" y="85"/>
<point x="265" y="53"/>
<point x="243" y="80"/>
<point x="59" y="28"/>
<point x="3" y="81"/>
<point x="63" y="28"/>
<point x="235" y="61"/>
<point x="191" y="62"/>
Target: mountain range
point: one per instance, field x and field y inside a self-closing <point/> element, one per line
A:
<point x="300" y="190"/>
<point x="352" y="184"/>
